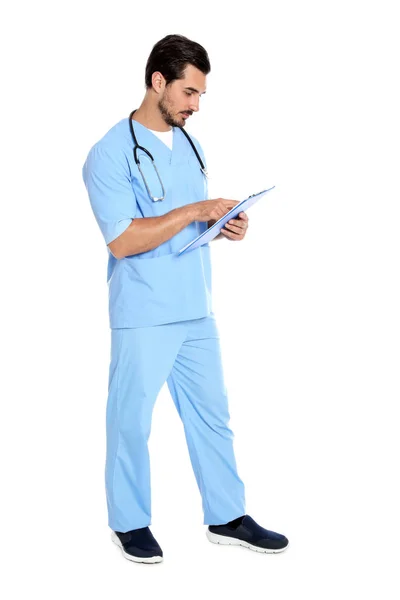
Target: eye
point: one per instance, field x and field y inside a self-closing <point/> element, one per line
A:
<point x="188" y="93"/>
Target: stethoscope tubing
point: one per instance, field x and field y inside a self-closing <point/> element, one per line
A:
<point x="137" y="147"/>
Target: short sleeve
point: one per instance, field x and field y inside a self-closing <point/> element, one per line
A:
<point x="107" y="180"/>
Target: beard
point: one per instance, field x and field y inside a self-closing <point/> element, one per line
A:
<point x="167" y="115"/>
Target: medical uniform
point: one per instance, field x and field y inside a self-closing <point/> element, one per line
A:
<point x="162" y="328"/>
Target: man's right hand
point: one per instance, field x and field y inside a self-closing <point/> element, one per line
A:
<point x="211" y="210"/>
<point x="147" y="233"/>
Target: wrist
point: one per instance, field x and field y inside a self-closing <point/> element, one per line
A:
<point x="192" y="212"/>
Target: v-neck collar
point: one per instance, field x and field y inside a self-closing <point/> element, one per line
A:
<point x="167" y="137"/>
<point x="146" y="138"/>
<point x="154" y="138"/>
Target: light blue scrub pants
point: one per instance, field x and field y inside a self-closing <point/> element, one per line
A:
<point x="186" y="354"/>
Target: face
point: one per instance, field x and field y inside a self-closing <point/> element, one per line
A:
<point x="181" y="97"/>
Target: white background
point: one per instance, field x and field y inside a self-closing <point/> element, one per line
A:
<point x="303" y="96"/>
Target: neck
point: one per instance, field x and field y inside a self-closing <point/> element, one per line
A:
<point x="149" y="115"/>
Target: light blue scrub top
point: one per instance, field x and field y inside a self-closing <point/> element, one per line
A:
<point x="154" y="287"/>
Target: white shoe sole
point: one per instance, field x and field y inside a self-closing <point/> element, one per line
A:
<point x="228" y="541"/>
<point x="150" y="559"/>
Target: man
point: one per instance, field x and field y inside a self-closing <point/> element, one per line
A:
<point x="162" y="324"/>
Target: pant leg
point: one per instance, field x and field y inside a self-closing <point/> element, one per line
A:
<point x="198" y="391"/>
<point x="141" y="360"/>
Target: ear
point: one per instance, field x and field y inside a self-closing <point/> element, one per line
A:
<point x="158" y="82"/>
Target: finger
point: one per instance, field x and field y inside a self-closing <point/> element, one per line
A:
<point x="238" y="229"/>
<point x="231" y="235"/>
<point x="239" y="223"/>
<point x="243" y="216"/>
<point x="231" y="204"/>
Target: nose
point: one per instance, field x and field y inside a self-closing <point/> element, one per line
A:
<point x="194" y="106"/>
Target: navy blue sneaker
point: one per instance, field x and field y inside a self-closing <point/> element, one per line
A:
<point x="244" y="531"/>
<point x="138" y="545"/>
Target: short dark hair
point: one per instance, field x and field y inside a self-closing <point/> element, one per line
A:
<point x="172" y="54"/>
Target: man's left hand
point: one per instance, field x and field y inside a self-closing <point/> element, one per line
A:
<point x="235" y="229"/>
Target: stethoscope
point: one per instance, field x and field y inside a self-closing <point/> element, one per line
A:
<point x="137" y="147"/>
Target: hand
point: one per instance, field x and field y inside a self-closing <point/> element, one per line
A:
<point x="211" y="210"/>
<point x="235" y="229"/>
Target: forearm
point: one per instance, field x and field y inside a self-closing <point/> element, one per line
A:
<point x="146" y="234"/>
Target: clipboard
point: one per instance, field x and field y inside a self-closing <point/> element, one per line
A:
<point x="215" y="229"/>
